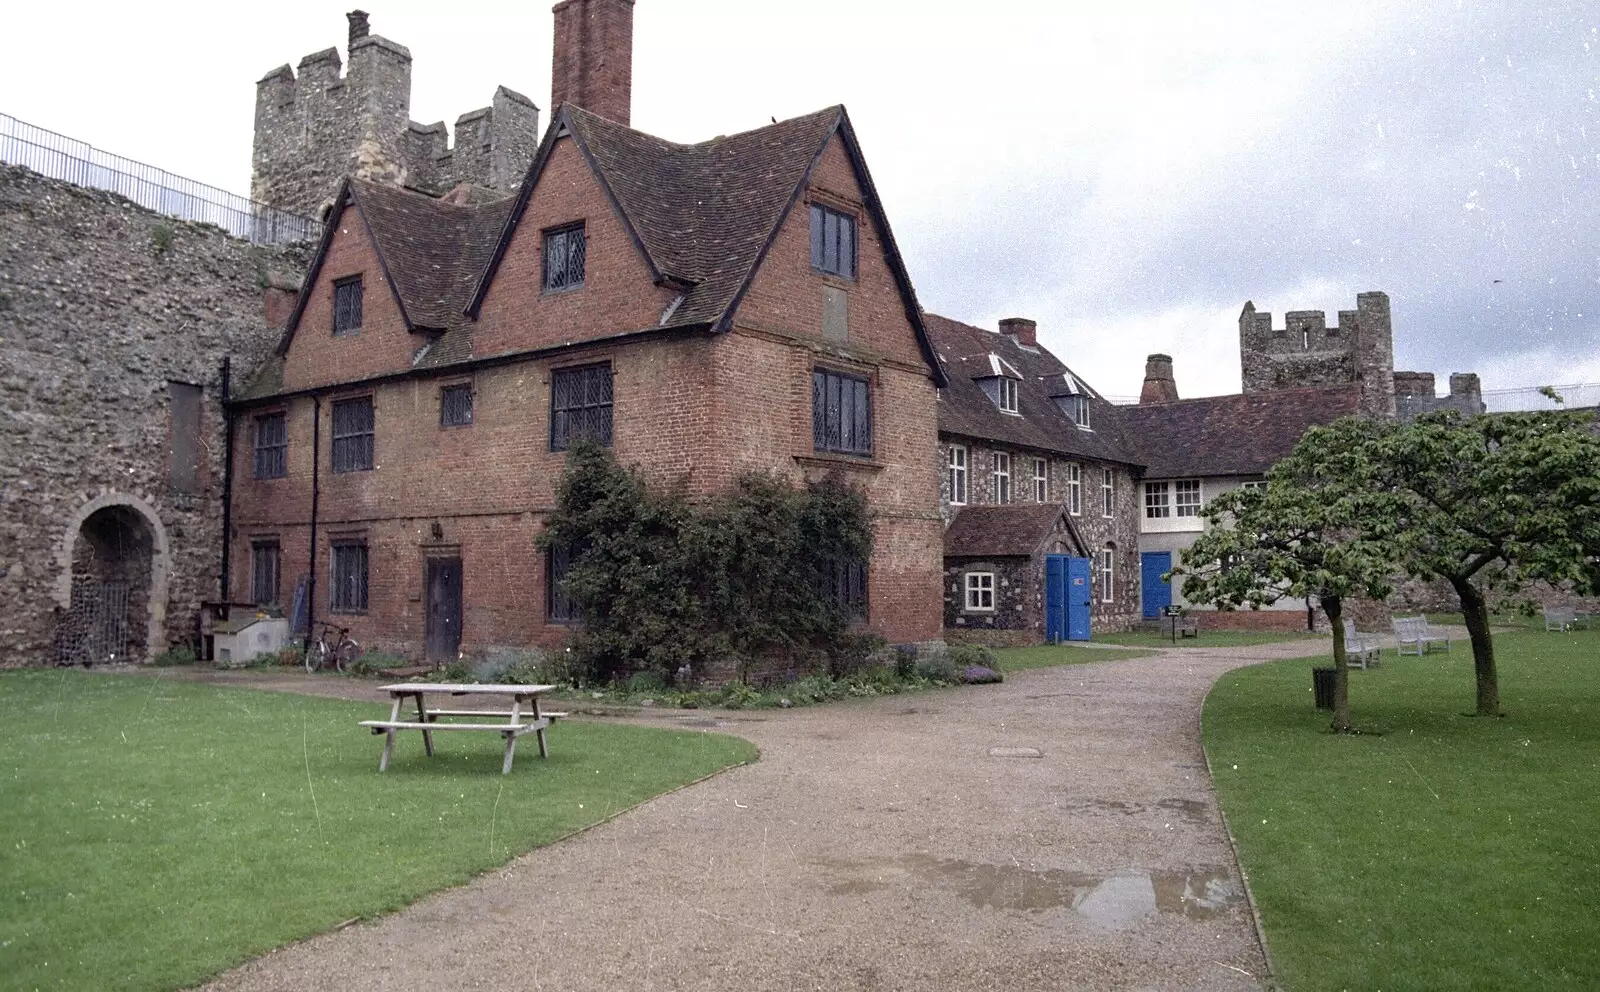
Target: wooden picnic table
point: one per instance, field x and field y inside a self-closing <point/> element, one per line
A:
<point x="522" y="717"/>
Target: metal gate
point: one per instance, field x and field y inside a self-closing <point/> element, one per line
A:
<point x="95" y="628"/>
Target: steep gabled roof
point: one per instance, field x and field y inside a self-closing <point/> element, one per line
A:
<point x="430" y="251"/>
<point x="703" y="216"/>
<point x="1012" y="530"/>
<point x="1239" y="434"/>
<point x="970" y="353"/>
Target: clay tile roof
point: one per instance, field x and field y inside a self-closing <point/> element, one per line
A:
<point x="1016" y="529"/>
<point x="432" y="249"/>
<point x="1241" y="434"/>
<point x="970" y="353"/>
<point x="704" y="212"/>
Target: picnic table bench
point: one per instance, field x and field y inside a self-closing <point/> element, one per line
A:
<point x="1416" y="632"/>
<point x="523" y="716"/>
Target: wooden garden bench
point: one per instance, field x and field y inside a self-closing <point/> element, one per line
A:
<point x="523" y="717"/>
<point x="1416" y="632"/>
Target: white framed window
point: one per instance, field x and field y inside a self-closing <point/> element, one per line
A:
<point x="1108" y="573"/>
<point x="1108" y="493"/>
<point x="1186" y="497"/>
<point x="1074" y="488"/>
<point x="1008" y="395"/>
<point x="1157" y="501"/>
<point x="1041" y="480"/>
<point x="1002" y="477"/>
<point x="1257" y="484"/>
<point x="1079" y="408"/>
<point x="980" y="592"/>
<point x="958" y="475"/>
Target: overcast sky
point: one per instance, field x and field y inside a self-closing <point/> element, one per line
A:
<point x="1127" y="174"/>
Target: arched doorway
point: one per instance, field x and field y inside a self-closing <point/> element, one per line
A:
<point x="113" y="587"/>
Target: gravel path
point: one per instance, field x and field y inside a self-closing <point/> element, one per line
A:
<point x="1055" y="832"/>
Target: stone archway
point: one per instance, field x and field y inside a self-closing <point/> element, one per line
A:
<point x="113" y="566"/>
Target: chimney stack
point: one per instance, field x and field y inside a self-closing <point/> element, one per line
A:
<point x="358" y="26"/>
<point x="592" y="58"/>
<point x="1159" y="386"/>
<point x="1021" y="330"/>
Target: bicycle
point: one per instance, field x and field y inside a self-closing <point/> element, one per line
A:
<point x="342" y="650"/>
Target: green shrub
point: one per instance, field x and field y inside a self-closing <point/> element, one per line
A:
<point x="646" y="683"/>
<point x="181" y="654"/>
<point x="740" y="695"/>
<point x="905" y="665"/>
<point x="455" y="671"/>
<point x="664" y="581"/>
<point x="965" y="655"/>
<point x="938" y="667"/>
<point x="161" y="237"/>
<point x="375" y="663"/>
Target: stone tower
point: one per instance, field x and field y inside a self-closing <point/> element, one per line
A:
<point x="1307" y="352"/>
<point x="317" y="126"/>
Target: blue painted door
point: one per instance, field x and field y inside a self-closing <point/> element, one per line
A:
<point x="1055" y="598"/>
<point x="1155" y="592"/>
<point x="1078" y="599"/>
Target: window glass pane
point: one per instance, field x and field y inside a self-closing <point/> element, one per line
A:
<point x="816" y="236"/>
<point x="580" y="405"/>
<point x="847" y="246"/>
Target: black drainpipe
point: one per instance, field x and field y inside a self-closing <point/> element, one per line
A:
<point x="227" y="474"/>
<point x="316" y="493"/>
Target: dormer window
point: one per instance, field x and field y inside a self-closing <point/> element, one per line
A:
<point x="1078" y="410"/>
<point x="1008" y="395"/>
<point x="1071" y="397"/>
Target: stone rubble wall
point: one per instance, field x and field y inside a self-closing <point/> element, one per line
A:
<point x="102" y="303"/>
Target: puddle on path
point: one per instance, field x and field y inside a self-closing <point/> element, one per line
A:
<point x="1190" y="810"/>
<point x="1111" y="901"/>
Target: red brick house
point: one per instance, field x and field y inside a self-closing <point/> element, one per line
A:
<point x="704" y="310"/>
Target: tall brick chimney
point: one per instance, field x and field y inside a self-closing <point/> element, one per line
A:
<point x="1159" y="386"/>
<point x="1021" y="330"/>
<point x="592" y="59"/>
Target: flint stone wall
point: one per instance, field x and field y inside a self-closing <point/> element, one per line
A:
<point x="102" y="303"/>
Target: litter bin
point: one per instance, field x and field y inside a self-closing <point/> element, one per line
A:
<point x="1322" y="687"/>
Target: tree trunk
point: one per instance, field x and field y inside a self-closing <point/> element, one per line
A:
<point x="1476" y="611"/>
<point x="1333" y="606"/>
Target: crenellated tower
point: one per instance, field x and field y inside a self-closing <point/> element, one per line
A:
<point x="316" y="126"/>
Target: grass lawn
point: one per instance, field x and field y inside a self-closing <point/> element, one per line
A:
<point x="1433" y="851"/>
<point x="154" y="832"/>
<point x="1050" y="655"/>
<point x="1207" y="638"/>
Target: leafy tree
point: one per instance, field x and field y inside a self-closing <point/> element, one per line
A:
<point x="1305" y="535"/>
<point x="1488" y="503"/>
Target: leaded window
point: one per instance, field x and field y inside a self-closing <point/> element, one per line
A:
<point x="265" y="558"/>
<point x="841" y="413"/>
<point x="565" y="250"/>
<point x="272" y="445"/>
<point x="833" y="242"/>
<point x="352" y="435"/>
<point x="1157" y="503"/>
<point x="580" y="405"/>
<point x="347" y="295"/>
<point x="958" y="474"/>
<point x="1001" y="477"/>
<point x="559" y="607"/>
<point x="980" y="592"/>
<point x="349" y="587"/>
<point x="850" y="588"/>
<point x="455" y="405"/>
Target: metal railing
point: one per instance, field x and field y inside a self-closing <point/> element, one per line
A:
<point x="1574" y="396"/>
<point x="60" y="157"/>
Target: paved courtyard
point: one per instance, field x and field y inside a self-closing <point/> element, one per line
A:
<point x="1055" y="832"/>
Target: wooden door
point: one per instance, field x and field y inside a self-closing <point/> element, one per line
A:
<point x="443" y="609"/>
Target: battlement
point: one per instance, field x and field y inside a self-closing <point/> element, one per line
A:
<point x="321" y="121"/>
<point x="1358" y="350"/>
